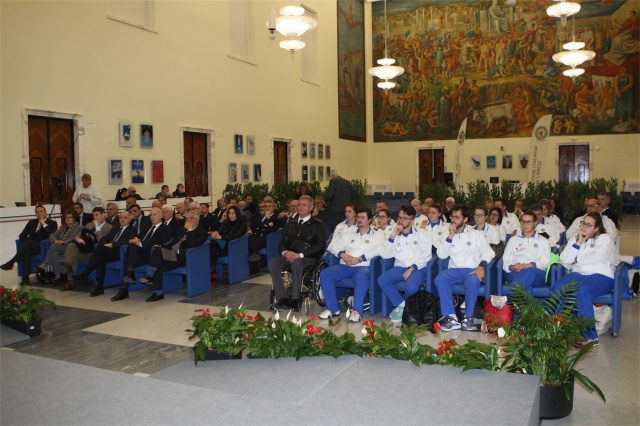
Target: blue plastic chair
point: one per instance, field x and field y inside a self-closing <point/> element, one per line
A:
<point x="386" y="264"/>
<point x="36" y="259"/>
<point x="375" y="293"/>
<point x="271" y="251"/>
<point x="490" y="278"/>
<point x="505" y="290"/>
<point x="237" y="261"/>
<point x="196" y="270"/>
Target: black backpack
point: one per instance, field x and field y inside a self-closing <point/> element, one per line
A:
<point x="421" y="308"/>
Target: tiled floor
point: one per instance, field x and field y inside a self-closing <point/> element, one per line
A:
<point x="133" y="336"/>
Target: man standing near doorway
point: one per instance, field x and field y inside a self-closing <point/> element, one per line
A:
<point x="339" y="194"/>
<point x="87" y="194"/>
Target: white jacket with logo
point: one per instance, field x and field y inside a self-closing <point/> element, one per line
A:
<point x="594" y="256"/>
<point x="367" y="245"/>
<point x="467" y="249"/>
<point x="521" y="249"/>
<point x="412" y="249"/>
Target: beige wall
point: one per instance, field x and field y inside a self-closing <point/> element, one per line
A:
<point x="68" y="56"/>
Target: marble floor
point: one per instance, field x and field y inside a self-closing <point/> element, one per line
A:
<point x="141" y="338"/>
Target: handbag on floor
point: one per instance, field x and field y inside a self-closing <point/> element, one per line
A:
<point x="497" y="312"/>
<point x="421" y="308"/>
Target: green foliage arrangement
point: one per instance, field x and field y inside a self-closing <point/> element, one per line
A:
<point x="21" y="304"/>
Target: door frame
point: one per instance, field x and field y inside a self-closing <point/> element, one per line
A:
<point x="210" y="153"/>
<point x="417" y="155"/>
<point x="273" y="159"/>
<point x="556" y="154"/>
<point x="78" y="144"/>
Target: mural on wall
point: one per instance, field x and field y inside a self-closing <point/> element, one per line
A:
<point x="351" y="69"/>
<point x="491" y="63"/>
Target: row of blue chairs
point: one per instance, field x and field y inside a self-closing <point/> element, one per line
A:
<point x="631" y="203"/>
<point x="392" y="195"/>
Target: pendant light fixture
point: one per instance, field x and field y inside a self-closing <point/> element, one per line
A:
<point x="385" y="70"/>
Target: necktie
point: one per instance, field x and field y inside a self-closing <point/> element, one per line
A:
<point x="39" y="227"/>
<point x="118" y="234"/>
<point x="150" y="233"/>
<point x="300" y="222"/>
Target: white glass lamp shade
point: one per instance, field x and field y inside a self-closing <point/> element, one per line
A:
<point x="562" y="10"/>
<point x="573" y="58"/>
<point x="386" y="84"/>
<point x="292" y="45"/>
<point x="573" y="72"/>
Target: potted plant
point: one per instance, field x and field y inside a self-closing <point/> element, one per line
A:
<point x="20" y="309"/>
<point x="540" y="342"/>
<point x="222" y="334"/>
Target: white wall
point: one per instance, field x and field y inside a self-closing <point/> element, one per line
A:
<point x="68" y="56"/>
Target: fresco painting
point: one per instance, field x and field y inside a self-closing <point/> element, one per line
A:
<point x="491" y="63"/>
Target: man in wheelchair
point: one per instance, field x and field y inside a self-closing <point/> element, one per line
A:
<point x="303" y="242"/>
<point x="355" y="251"/>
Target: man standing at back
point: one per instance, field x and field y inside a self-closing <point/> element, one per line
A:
<point x="339" y="194"/>
<point x="303" y="242"/>
<point x="87" y="194"/>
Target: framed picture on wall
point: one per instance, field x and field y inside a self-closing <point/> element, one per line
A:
<point x="475" y="162"/>
<point x="312" y="150"/>
<point x="251" y="144"/>
<point x="524" y="161"/>
<point x="320" y="173"/>
<point x="327" y="152"/>
<point x="257" y="172"/>
<point x="125" y="131"/>
<point x="239" y="144"/>
<point x="115" y="172"/>
<point x="233" y="172"/>
<point x="320" y="151"/>
<point x="491" y="161"/>
<point x="507" y="161"/>
<point x="305" y="173"/>
<point x="137" y="171"/>
<point x="244" y="173"/>
<point x="157" y="171"/>
<point x="304" y="148"/>
<point x="146" y="135"/>
<point x="312" y="178"/>
<point x="328" y="173"/>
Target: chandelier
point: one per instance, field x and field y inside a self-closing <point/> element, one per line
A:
<point x="386" y="70"/>
<point x="573" y="55"/>
<point x="562" y="10"/>
<point x="292" y="24"/>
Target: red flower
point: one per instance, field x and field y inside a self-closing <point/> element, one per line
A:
<point x="368" y="323"/>
<point x="436" y="326"/>
<point x="246" y="336"/>
<point x="320" y="342"/>
<point x="199" y="310"/>
<point x="2" y="290"/>
<point x="240" y="315"/>
<point x="440" y="351"/>
<point x="372" y="334"/>
<point x="13" y="293"/>
<point x="252" y="318"/>
<point x="204" y="311"/>
<point x="313" y="330"/>
<point x="313" y="317"/>
<point x="24" y="301"/>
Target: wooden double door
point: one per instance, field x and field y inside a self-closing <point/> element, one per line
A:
<point x="196" y="164"/>
<point x="431" y="166"/>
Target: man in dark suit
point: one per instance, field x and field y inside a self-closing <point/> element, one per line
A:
<point x="261" y="226"/>
<point x="107" y="250"/>
<point x="35" y="230"/>
<point x="138" y="220"/>
<point x="339" y="194"/>
<point x="603" y="201"/>
<point x="167" y="218"/>
<point x="139" y="250"/>
<point x="251" y="207"/>
<point x="222" y="207"/>
<point x="207" y="219"/>
<point x="189" y="236"/>
<point x="83" y="218"/>
<point x="113" y="218"/>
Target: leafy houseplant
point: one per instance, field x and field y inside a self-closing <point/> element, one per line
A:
<point x="20" y="307"/>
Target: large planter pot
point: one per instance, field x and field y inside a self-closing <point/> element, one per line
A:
<point x="554" y="403"/>
<point x="213" y="355"/>
<point x="31" y="328"/>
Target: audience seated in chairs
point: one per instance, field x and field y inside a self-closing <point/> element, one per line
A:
<point x="261" y="226"/>
<point x="231" y="228"/>
<point x="50" y="270"/>
<point x="35" y="230"/>
<point x="172" y="254"/>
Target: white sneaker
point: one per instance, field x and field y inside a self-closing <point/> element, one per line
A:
<point x="355" y="316"/>
<point x="396" y="314"/>
<point x="326" y="314"/>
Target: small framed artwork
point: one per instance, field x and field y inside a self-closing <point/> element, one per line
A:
<point x="524" y="161"/>
<point x="304" y="149"/>
<point x="320" y="173"/>
<point x="475" y="162"/>
<point x="157" y="171"/>
<point x="305" y="173"/>
<point x="125" y="129"/>
<point x="239" y="144"/>
<point x="327" y="152"/>
<point x="320" y="151"/>
<point x="312" y="177"/>
<point x="233" y="172"/>
<point x="312" y="150"/>
<point x="115" y="172"/>
<point x="507" y="161"/>
<point x="491" y="161"/>
<point x="244" y="173"/>
<point x="328" y="171"/>
<point x="146" y="135"/>
<point x="137" y="171"/>
<point x="494" y="179"/>
<point x="257" y="172"/>
<point x="251" y="144"/>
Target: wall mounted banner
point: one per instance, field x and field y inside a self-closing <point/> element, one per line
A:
<point x="538" y="148"/>
<point x="462" y="133"/>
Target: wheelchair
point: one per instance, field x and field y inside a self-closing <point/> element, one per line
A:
<point x="345" y="298"/>
<point x="310" y="286"/>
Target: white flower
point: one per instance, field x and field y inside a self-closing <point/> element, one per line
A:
<point x="348" y="313"/>
<point x="364" y="331"/>
<point x="299" y="323"/>
<point x="501" y="332"/>
<point x="273" y="325"/>
<point x="236" y="341"/>
<point x="240" y="307"/>
<point x="289" y="314"/>
<point x="277" y="316"/>
<point x="284" y="338"/>
<point x="294" y="320"/>
<point x="226" y="309"/>
<point x="524" y="371"/>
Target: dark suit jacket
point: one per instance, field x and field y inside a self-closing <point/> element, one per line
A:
<point x="86" y="218"/>
<point x="29" y="231"/>
<point x="128" y="233"/>
<point x="218" y="213"/>
<point x="194" y="238"/>
<point x="113" y="221"/>
<point x="206" y="221"/>
<point x="145" y="225"/>
<point x="175" y="225"/>
<point x="611" y="215"/>
<point x="309" y="238"/>
<point x="161" y="235"/>
<point x="339" y="194"/>
<point x="261" y="228"/>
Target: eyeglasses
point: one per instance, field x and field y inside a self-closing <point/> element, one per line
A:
<point x="479" y="215"/>
<point x="456" y="217"/>
<point x="404" y="218"/>
<point x="592" y="205"/>
<point x="587" y="224"/>
<point x="527" y="222"/>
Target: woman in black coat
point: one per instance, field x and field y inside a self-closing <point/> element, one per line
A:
<point x="233" y="227"/>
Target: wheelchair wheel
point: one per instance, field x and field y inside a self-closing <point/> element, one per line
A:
<point x="316" y="286"/>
